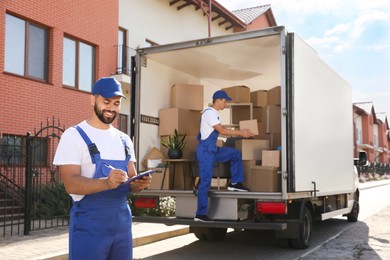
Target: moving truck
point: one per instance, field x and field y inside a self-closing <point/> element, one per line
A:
<point x="315" y="176"/>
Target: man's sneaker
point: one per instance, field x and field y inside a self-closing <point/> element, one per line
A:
<point x="237" y="187"/>
<point x="202" y="218"/>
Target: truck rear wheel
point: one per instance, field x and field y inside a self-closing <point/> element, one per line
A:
<point x="211" y="234"/>
<point x="354" y="214"/>
<point x="305" y="229"/>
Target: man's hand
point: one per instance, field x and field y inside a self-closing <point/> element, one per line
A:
<point x="116" y="177"/>
<point x="246" y="133"/>
<point x="141" y="184"/>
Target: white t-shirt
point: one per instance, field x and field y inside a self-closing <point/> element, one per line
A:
<point x="72" y="149"/>
<point x="210" y="118"/>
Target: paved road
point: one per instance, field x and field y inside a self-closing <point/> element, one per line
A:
<point x="332" y="239"/>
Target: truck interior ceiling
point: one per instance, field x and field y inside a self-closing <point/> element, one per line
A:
<point x="226" y="64"/>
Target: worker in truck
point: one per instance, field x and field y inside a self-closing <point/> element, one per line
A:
<point x="95" y="160"/>
<point x="207" y="153"/>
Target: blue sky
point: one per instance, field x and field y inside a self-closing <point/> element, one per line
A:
<point x="352" y="36"/>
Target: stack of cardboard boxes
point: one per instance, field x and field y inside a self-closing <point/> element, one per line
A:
<point x="261" y="157"/>
<point x="183" y="114"/>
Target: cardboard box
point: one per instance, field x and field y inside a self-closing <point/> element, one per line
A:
<point x="239" y="94"/>
<point x="220" y="183"/>
<point x="185" y="121"/>
<point x="251" y="149"/>
<point x="275" y="139"/>
<point x="251" y="125"/>
<point x="274" y="96"/>
<point x="159" y="182"/>
<point x="187" y="96"/>
<point x="265" y="179"/>
<point x="271" y="119"/>
<point x="259" y="98"/>
<point x="270" y="158"/>
<point x="240" y="113"/>
<point x="247" y="165"/>
<point x="153" y="154"/>
<point x="257" y="113"/>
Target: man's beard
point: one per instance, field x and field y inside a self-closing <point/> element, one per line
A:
<point x="99" y="114"/>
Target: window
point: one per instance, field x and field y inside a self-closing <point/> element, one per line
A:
<point x="13" y="151"/>
<point x="122" y="53"/>
<point x="122" y="123"/>
<point x="78" y="64"/>
<point x="26" y="48"/>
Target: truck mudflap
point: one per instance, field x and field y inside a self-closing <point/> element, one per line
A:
<point x="215" y="224"/>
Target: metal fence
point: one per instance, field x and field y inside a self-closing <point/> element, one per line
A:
<point x="374" y="170"/>
<point x="32" y="196"/>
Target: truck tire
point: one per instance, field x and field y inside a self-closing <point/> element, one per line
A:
<point x="354" y="214"/>
<point x="211" y="234"/>
<point x="305" y="229"/>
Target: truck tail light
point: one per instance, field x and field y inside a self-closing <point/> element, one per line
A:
<point x="276" y="208"/>
<point x="146" y="203"/>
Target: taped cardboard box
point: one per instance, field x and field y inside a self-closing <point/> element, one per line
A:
<point x="185" y="121"/>
<point x="265" y="179"/>
<point x="271" y="119"/>
<point x="187" y="96"/>
<point x="251" y="149"/>
<point x="153" y="154"/>
<point x="270" y="158"/>
<point x="247" y="165"/>
<point x="240" y="112"/>
<point x="259" y="98"/>
<point x="159" y="182"/>
<point x="274" y="138"/>
<point x="239" y="94"/>
<point x="274" y="96"/>
<point x="251" y="125"/>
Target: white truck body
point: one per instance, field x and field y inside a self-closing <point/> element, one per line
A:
<point x="316" y="107"/>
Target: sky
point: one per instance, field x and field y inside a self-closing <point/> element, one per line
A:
<point x="352" y="36"/>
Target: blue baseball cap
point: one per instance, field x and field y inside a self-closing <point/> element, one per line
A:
<point x="107" y="88"/>
<point x="221" y="94"/>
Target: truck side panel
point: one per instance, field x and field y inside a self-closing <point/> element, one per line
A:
<point x="323" y="128"/>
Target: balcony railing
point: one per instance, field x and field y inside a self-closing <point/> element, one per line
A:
<point x="124" y="54"/>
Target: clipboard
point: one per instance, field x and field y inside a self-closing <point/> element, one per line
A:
<point x="141" y="175"/>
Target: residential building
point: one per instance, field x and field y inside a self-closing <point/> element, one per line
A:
<point x="371" y="132"/>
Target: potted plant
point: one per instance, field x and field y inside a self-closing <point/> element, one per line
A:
<point x="175" y="145"/>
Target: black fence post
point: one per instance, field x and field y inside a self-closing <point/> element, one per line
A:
<point x="28" y="187"/>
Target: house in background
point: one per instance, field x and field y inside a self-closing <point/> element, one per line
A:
<point x="52" y="54"/>
<point x="371" y="132"/>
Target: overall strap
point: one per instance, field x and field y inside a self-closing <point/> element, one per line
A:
<point x="93" y="150"/>
<point x="127" y="148"/>
<point x="199" y="136"/>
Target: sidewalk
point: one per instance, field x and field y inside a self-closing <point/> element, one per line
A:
<point x="53" y="243"/>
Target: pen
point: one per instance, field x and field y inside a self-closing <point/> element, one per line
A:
<point x="109" y="166"/>
<point x="112" y="168"/>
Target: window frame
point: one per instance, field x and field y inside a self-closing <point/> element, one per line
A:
<point x="77" y="64"/>
<point x="26" y="60"/>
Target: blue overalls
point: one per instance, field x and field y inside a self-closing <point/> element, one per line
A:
<point x="100" y="223"/>
<point x="208" y="153"/>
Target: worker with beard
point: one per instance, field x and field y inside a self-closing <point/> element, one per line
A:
<point x="95" y="161"/>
